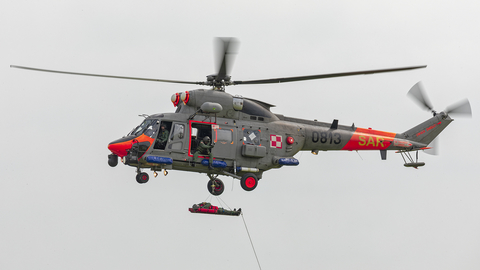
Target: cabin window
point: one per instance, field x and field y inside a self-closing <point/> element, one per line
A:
<point x="251" y="136"/>
<point x="224" y="136"/>
<point x="178" y="132"/>
<point x="176" y="136"/>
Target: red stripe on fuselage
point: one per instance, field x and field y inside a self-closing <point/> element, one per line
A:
<point x="369" y="139"/>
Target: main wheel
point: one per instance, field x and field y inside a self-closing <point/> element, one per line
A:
<point x="142" y="178"/>
<point x="249" y="181"/>
<point x="215" y="187"/>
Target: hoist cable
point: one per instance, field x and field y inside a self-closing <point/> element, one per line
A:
<point x="251" y="242"/>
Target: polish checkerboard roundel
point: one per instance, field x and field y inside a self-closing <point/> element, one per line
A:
<point x="275" y="141"/>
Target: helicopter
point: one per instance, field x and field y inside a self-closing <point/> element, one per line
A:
<point x="246" y="139"/>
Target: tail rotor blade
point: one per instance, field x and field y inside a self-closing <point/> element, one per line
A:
<point x="461" y="108"/>
<point x="417" y="93"/>
<point x="433" y="148"/>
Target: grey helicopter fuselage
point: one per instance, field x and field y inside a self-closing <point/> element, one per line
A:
<point x="249" y="138"/>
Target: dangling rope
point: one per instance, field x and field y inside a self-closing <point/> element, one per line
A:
<point x="251" y="242"/>
<point x="219" y="202"/>
<point x="359" y="154"/>
<point x="244" y="223"/>
<point x="218" y="197"/>
<point x="206" y="200"/>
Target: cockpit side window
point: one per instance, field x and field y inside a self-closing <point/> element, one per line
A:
<point x="139" y="130"/>
<point x="163" y="135"/>
<point x="152" y="129"/>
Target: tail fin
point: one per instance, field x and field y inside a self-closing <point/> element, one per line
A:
<point x="427" y="131"/>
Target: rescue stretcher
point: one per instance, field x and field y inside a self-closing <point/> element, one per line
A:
<point x="207" y="208"/>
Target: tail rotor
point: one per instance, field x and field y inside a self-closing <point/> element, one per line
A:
<point x="418" y="94"/>
<point x="461" y="108"/>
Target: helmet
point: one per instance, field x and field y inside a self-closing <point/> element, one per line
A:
<point x="206" y="139"/>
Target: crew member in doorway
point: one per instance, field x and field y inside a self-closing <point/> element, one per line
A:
<point x="162" y="138"/>
<point x="204" y="148"/>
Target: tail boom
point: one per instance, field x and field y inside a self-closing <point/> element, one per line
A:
<point x="353" y="139"/>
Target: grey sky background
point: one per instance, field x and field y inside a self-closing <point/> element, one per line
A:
<point x="63" y="207"/>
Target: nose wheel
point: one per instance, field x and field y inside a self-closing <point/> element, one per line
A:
<point x="215" y="186"/>
<point x="142" y="178"/>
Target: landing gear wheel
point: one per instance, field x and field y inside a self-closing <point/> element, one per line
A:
<point x="215" y="187"/>
<point x="142" y="178"/>
<point x="249" y="181"/>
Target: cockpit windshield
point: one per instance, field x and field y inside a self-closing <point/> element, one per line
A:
<point x="141" y="128"/>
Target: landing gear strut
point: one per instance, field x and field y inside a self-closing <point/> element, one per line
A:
<point x="415" y="164"/>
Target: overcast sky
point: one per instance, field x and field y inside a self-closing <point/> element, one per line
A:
<point x="63" y="207"/>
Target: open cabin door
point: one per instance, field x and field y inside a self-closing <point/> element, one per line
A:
<point x="222" y="136"/>
<point x="198" y="131"/>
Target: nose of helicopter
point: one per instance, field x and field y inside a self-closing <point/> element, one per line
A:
<point x="120" y="146"/>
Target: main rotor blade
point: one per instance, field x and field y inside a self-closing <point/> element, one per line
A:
<point x="461" y="108"/>
<point x="226" y="47"/>
<point x="105" y="76"/>
<point x="417" y="92"/>
<point x="324" y="76"/>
